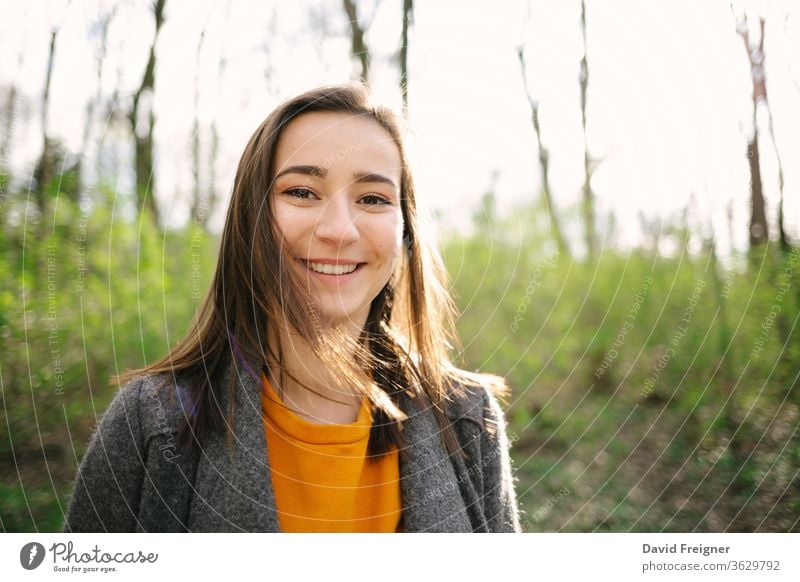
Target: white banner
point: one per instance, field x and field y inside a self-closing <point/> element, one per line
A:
<point x="355" y="557"/>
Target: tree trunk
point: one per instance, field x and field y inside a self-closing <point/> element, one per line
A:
<point x="210" y="198"/>
<point x="782" y="240"/>
<point x="101" y="28"/>
<point x="5" y="166"/>
<point x="10" y="121"/>
<point x="358" y="44"/>
<point x="144" y="139"/>
<point x="759" y="229"/>
<point x="588" y="196"/>
<point x="544" y="163"/>
<point x="408" y="15"/>
<point x="198" y="204"/>
<point x="759" y="232"/>
<point x="44" y="167"/>
<point x="5" y="145"/>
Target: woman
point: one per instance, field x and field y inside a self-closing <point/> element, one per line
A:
<point x="314" y="392"/>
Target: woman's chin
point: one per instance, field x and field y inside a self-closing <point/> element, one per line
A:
<point x="343" y="318"/>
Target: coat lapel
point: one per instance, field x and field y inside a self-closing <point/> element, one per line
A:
<point x="233" y="487"/>
<point x="431" y="495"/>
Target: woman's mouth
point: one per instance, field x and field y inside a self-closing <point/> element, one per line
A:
<point x="335" y="269"/>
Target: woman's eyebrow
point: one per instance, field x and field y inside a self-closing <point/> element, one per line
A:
<point x="321" y="172"/>
<point x="362" y="177"/>
<point x="316" y="171"/>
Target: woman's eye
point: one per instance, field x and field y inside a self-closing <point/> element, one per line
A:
<point x="374" y="199"/>
<point x="303" y="193"/>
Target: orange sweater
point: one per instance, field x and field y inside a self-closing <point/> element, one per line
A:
<point x="322" y="478"/>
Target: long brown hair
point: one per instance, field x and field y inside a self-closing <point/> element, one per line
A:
<point x="404" y="346"/>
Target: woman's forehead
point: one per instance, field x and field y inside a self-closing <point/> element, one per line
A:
<point x="330" y="140"/>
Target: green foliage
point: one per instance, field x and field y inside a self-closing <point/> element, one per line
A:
<point x="646" y="385"/>
<point x="88" y="293"/>
<point x="649" y="393"/>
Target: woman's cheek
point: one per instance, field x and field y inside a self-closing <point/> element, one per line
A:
<point x="392" y="231"/>
<point x="283" y="214"/>
<point x="292" y="220"/>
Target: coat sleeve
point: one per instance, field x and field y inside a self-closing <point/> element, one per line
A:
<point x="500" y="502"/>
<point x="109" y="481"/>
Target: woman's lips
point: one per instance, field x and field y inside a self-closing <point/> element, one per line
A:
<point x="332" y="271"/>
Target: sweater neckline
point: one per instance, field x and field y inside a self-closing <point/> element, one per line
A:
<point x="277" y="413"/>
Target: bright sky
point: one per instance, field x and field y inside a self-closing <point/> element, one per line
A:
<point x="668" y="114"/>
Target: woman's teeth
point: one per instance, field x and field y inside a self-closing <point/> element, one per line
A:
<point x="328" y="269"/>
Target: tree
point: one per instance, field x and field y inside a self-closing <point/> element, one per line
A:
<point x="199" y="210"/>
<point x="544" y="162"/>
<point x="8" y="135"/>
<point x="759" y="229"/>
<point x="588" y="196"/>
<point x="358" y="45"/>
<point x="408" y="15"/>
<point x="98" y="32"/>
<point x="44" y="166"/>
<point x="213" y="154"/>
<point x="142" y="119"/>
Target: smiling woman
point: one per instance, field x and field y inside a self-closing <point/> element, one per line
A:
<point x="342" y="222"/>
<point x="314" y="392"/>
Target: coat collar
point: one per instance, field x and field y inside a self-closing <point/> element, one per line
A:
<point x="233" y="486"/>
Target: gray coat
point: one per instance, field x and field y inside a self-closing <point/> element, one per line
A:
<point x="134" y="478"/>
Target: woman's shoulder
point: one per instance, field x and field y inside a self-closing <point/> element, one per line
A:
<point x="475" y="396"/>
<point x="159" y="402"/>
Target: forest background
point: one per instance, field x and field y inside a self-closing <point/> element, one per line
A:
<point x="615" y="187"/>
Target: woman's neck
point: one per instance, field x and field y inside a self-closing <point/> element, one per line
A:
<point x="309" y="387"/>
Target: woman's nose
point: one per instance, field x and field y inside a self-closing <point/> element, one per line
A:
<point x="336" y="221"/>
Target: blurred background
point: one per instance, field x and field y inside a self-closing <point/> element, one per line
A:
<point x="615" y="187"/>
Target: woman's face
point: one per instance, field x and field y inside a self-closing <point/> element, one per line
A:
<point x="336" y="198"/>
